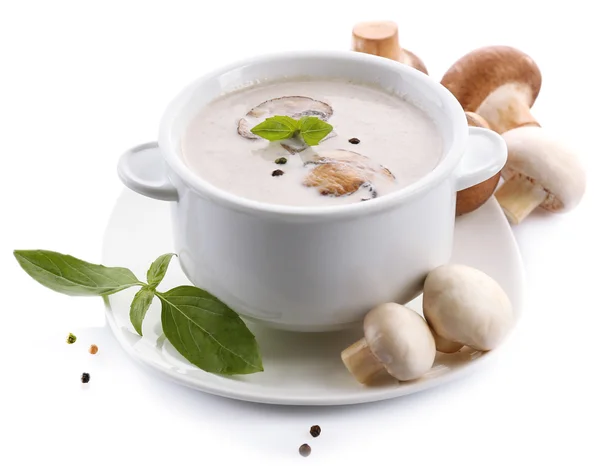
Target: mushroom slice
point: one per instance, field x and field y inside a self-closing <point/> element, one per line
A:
<point x="342" y="172"/>
<point x="292" y="106"/>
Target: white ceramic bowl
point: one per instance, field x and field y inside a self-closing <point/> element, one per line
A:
<point x="313" y="268"/>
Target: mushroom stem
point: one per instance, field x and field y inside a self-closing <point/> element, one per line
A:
<point x="507" y="108"/>
<point x="518" y="197"/>
<point x="475" y="120"/>
<point x="377" y="38"/>
<point x="381" y="38"/>
<point x="361" y="362"/>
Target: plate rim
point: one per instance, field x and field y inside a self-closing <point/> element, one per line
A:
<point x="251" y="395"/>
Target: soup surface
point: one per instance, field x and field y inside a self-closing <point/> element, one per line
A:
<point x="394" y="144"/>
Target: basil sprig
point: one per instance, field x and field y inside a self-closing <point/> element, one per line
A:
<point x="311" y="129"/>
<point x="202" y="328"/>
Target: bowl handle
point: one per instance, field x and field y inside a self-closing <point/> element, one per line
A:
<point x="144" y="171"/>
<point x="485" y="157"/>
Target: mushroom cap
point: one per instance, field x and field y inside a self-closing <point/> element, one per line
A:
<point x="476" y="75"/>
<point x="464" y="305"/>
<point x="400" y="339"/>
<point x="291" y="106"/>
<point x="343" y="172"/>
<point x="473" y="197"/>
<point x="537" y="155"/>
<point x="409" y="58"/>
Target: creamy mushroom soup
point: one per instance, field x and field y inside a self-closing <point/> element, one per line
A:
<point x="380" y="143"/>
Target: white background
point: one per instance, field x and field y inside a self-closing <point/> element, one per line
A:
<point x="80" y="82"/>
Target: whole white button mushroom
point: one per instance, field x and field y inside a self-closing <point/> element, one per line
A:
<point x="397" y="339"/>
<point x="465" y="306"/>
<point x="500" y="84"/>
<point x="540" y="171"/>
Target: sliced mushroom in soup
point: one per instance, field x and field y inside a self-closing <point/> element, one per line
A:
<point x="295" y="107"/>
<point x="379" y="143"/>
<point x="341" y="172"/>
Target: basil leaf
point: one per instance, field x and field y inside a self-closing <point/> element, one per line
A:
<point x="313" y="129"/>
<point x="71" y="276"/>
<point x="208" y="333"/>
<point x="139" y="307"/>
<point x="276" y="128"/>
<point x="287" y="120"/>
<point x="158" y="269"/>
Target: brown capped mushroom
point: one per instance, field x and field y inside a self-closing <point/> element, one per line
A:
<point x="499" y="83"/>
<point x="474" y="197"/>
<point x="396" y="340"/>
<point x="465" y="306"/>
<point x="343" y="172"/>
<point x="381" y="38"/>
<point x="292" y="106"/>
<point x="540" y="171"/>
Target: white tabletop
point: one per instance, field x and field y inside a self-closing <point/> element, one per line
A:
<point x="79" y="85"/>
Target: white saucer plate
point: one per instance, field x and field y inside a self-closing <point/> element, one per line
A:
<point x="300" y="368"/>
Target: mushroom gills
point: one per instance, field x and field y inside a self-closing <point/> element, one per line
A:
<point x="341" y="172"/>
<point x="291" y="106"/>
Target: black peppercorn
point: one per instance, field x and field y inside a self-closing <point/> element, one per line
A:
<point x="354" y="141"/>
<point x="85" y="378"/>
<point x="315" y="430"/>
<point x="71" y="338"/>
<point x="277" y="172"/>
<point x="282" y="160"/>
<point x="304" y="450"/>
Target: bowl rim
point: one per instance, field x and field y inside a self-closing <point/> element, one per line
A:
<point x="449" y="161"/>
